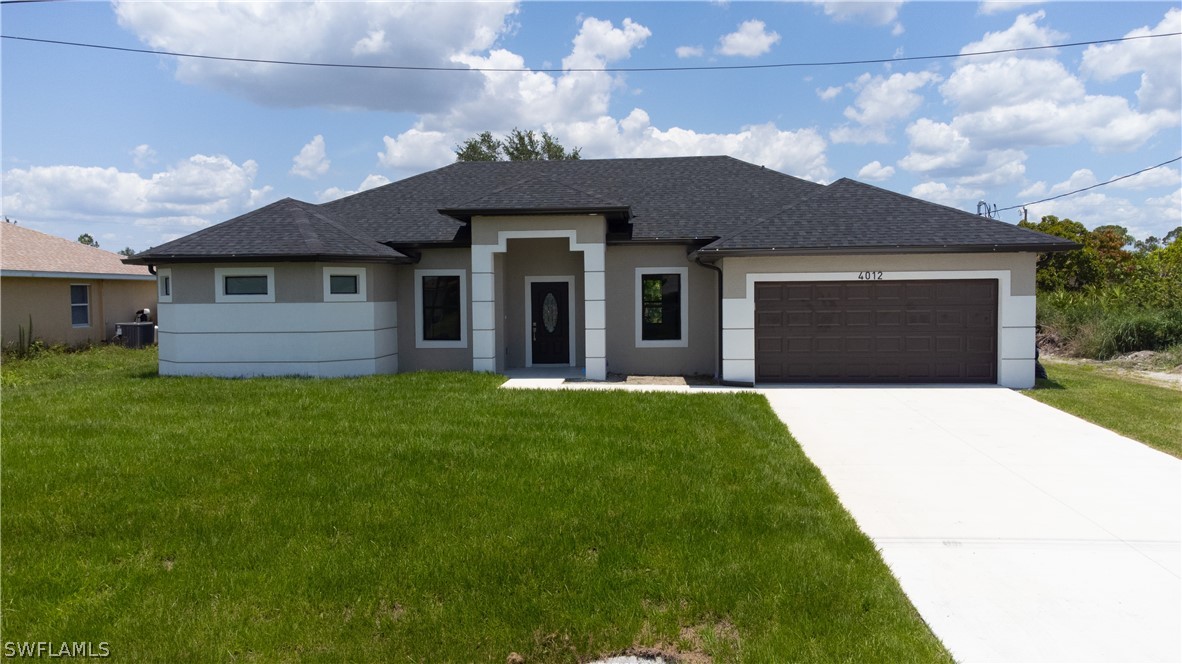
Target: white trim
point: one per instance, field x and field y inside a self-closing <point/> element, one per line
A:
<point x="330" y="272"/>
<point x="420" y="342"/>
<point x="641" y="342"/>
<point x="219" y="283"/>
<point x="529" y="315"/>
<point x="89" y="317"/>
<point x="37" y="274"/>
<point x="164" y="278"/>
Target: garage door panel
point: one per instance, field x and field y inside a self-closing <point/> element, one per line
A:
<point x="906" y="331"/>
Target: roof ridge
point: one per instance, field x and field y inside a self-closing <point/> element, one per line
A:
<point x="768" y="217"/>
<point x="318" y="212"/>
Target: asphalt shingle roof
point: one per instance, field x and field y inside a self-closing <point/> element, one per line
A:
<point x="849" y="215"/>
<point x="26" y="250"/>
<point x="285" y="228"/>
<point x="690" y="199"/>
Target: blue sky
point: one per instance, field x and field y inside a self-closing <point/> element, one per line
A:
<point x="139" y="149"/>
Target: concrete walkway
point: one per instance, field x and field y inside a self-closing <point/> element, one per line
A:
<point x="1019" y="532"/>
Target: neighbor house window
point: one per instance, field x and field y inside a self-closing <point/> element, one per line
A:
<point x="661" y="307"/>
<point x="244" y="284"/>
<point x="441" y="312"/>
<point x="80" y="305"/>
<point x="344" y="284"/>
<point x="164" y="284"/>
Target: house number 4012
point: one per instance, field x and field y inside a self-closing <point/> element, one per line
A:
<point x="870" y="275"/>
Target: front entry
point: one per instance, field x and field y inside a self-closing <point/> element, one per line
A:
<point x="550" y="327"/>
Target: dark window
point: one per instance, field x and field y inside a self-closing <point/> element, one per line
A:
<point x="80" y="306"/>
<point x="342" y="284"/>
<point x="441" y="308"/>
<point x="249" y="285"/>
<point x="660" y="307"/>
<point x="166" y="286"/>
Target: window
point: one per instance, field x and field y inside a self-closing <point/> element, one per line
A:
<point x="344" y="284"/>
<point x="244" y="284"/>
<point x="164" y="285"/>
<point x="80" y="305"/>
<point x="662" y="307"/>
<point x="441" y="313"/>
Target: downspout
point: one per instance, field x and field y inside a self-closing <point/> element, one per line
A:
<point x="152" y="270"/>
<point x="718" y="365"/>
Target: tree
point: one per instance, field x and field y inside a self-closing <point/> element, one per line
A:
<point x="1070" y="270"/>
<point x="89" y="241"/>
<point x="126" y="251"/>
<point x="517" y="146"/>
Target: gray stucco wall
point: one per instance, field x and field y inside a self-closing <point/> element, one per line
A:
<point x="410" y="356"/>
<point x="549" y="257"/>
<point x="294" y="282"/>
<point x="623" y="356"/>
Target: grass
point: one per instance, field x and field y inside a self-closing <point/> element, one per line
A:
<point x="1148" y="413"/>
<point x="422" y="517"/>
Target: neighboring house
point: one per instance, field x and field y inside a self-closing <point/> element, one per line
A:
<point x="695" y="265"/>
<point x="73" y="293"/>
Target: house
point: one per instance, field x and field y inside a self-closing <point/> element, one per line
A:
<point x="694" y="265"/>
<point x="73" y="293"/>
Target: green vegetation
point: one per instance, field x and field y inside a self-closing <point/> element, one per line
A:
<point x="422" y="517"/>
<point x="1114" y="295"/>
<point x="1150" y="414"/>
<point x="516" y="146"/>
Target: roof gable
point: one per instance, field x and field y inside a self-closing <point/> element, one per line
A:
<point x="26" y="250"/>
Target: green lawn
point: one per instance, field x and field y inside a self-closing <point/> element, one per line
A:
<point x="422" y="517"/>
<point x="1148" y="413"/>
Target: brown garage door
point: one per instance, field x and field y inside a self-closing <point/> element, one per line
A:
<point x="876" y="331"/>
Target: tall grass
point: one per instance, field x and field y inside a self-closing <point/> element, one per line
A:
<point x="1105" y="323"/>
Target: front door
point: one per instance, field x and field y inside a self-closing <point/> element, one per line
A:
<point x="549" y="323"/>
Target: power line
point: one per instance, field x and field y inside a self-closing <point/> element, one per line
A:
<point x="1071" y="193"/>
<point x="781" y="65"/>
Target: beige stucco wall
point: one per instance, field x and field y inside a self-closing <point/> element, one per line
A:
<point x="410" y="357"/>
<point x="699" y="357"/>
<point x="1020" y="265"/>
<point x="294" y="282"/>
<point x="47" y="301"/>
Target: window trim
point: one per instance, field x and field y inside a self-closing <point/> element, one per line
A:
<point x="219" y="285"/>
<point x="332" y="271"/>
<point x="638" y="308"/>
<point x="163" y="284"/>
<point x="86" y="304"/>
<point x="420" y="342"/>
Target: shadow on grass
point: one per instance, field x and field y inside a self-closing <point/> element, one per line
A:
<point x="1048" y="384"/>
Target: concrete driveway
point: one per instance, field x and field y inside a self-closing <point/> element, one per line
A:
<point x="1021" y="533"/>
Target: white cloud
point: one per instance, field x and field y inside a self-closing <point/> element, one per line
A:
<point x="1165" y="212"/>
<point x="938" y="192"/>
<point x="143" y="156"/>
<point x="939" y="150"/>
<point x="416" y="150"/>
<point x="350" y="33"/>
<point x="1157" y="59"/>
<point x="800" y="152"/>
<point x="881" y="102"/>
<point x="312" y="161"/>
<point x="751" y="40"/>
<point x="1010" y="81"/>
<point x="989" y="7"/>
<point x="875" y="13"/>
<point x="876" y="172"/>
<point x="684" y="52"/>
<point x="830" y="92"/>
<point x="1159" y="177"/>
<point x="1023" y="33"/>
<point x="190" y="194"/>
<point x="332" y="193"/>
